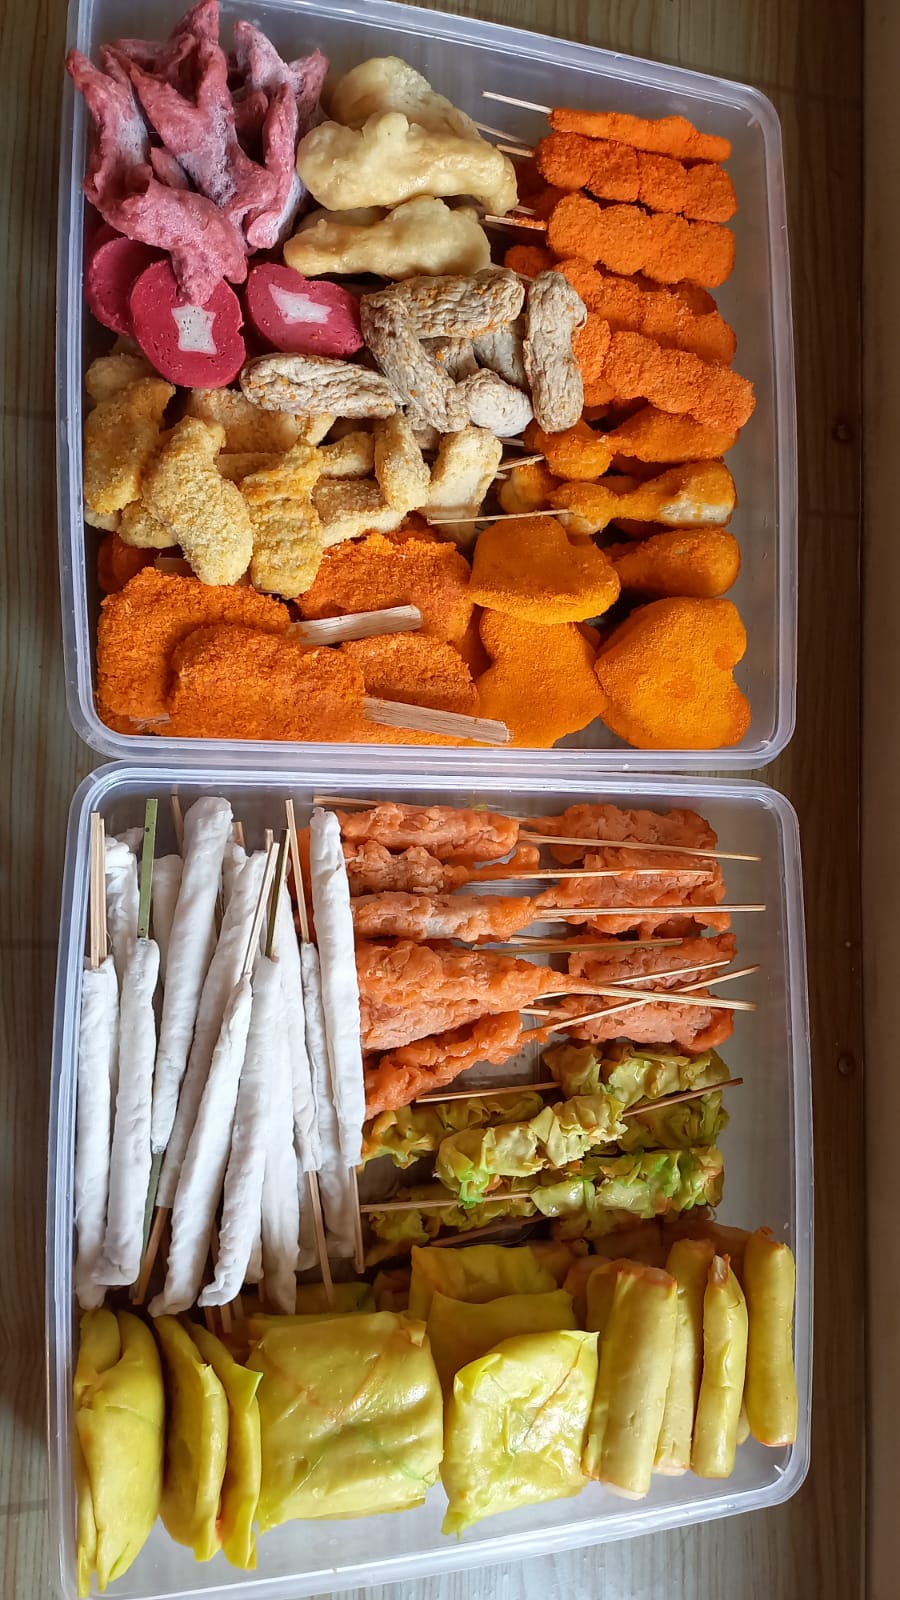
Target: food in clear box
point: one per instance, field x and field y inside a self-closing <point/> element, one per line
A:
<point x="292" y="259"/>
<point x="423" y="1121"/>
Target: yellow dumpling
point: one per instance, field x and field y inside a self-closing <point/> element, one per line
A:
<point x="243" y="1466"/>
<point x="119" y="1411"/>
<point x="460" y="1332"/>
<point x="196" y="1442"/>
<point x="351" y="1417"/>
<point x="515" y="1426"/>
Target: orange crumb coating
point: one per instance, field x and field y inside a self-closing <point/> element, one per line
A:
<point x="626" y="239"/>
<point x="615" y="171"/>
<point x="529" y="259"/>
<point x="375" y="572"/>
<point x="529" y="568"/>
<point x="232" y="682"/>
<point x="670" y="136"/>
<point x="578" y="453"/>
<point x="661" y="314"/>
<point x="541" y="682"/>
<point x="140" y="627"/>
<point x="666" y="680"/>
<point x="651" y="435"/>
<point x="415" y="669"/>
<point x="677" y="381"/>
<point x="526" y="489"/>
<point x="697" y="562"/>
<point x="118" y="562"/>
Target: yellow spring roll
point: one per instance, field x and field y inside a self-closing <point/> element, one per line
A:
<point x="771" y="1394"/>
<point x="635" y="1365"/>
<point x="688" y="1263"/>
<point x="743" y="1427"/>
<point x="598" y="1294"/>
<point x="724" y="1367"/>
<point x="730" y="1242"/>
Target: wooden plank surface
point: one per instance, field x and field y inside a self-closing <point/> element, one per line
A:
<point x="807" y="57"/>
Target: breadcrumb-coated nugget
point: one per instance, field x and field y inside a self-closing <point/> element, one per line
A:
<point x="107" y="375"/>
<point x="529" y="259"/>
<point x="661" y="314"/>
<point x="626" y="239"/>
<point x="665" y="676"/>
<point x="207" y="515"/>
<point x="140" y="627"/>
<point x="287" y="532"/>
<point x="247" y="428"/>
<point x="235" y="465"/>
<point x="139" y="528"/>
<point x="400" y="467"/>
<point x="527" y="488"/>
<point x="652" y="435"/>
<point x="697" y="494"/>
<point x="541" y="681"/>
<point x="379" y="572"/>
<point x="672" y="136"/>
<point x="529" y="568"/>
<point x="106" y="522"/>
<point x="677" y="381"/>
<point x="117" y="563"/>
<point x="350" y="456"/>
<point x="615" y="171"/>
<point x="577" y="454"/>
<point x="234" y="682"/>
<point x="554" y="314"/>
<point x="349" y="507"/>
<point x="121" y="436"/>
<point x="415" y="669"/>
<point x="465" y="468"/>
<point x="699" y="562"/>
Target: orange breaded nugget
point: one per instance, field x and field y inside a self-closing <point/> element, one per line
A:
<point x="415" y="669"/>
<point x="529" y="568"/>
<point x="699" y="562"/>
<point x="117" y="563"/>
<point x="529" y="259"/>
<point x="696" y="494"/>
<point x="672" y="136"/>
<point x="232" y="682"/>
<point x="541" y="682"/>
<point x="626" y="239"/>
<point x="577" y="454"/>
<point x="665" y="676"/>
<point x="661" y="314"/>
<point x="371" y="573"/>
<point x="615" y="171"/>
<point x="654" y="436"/>
<point x="526" y="489"/>
<point x="677" y="381"/>
<point x="140" y="627"/>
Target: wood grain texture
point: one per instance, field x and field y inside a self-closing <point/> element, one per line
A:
<point x="808" y="58"/>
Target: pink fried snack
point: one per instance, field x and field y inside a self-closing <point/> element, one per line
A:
<point x="204" y="244"/>
<point x="300" y="315"/>
<point x="278" y="103"/>
<point x="170" y="62"/>
<point x="120" y="144"/>
<point x="199" y="347"/>
<point x="109" y="275"/>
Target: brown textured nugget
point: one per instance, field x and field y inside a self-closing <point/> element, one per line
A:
<point x="140" y="627"/>
<point x="626" y="239"/>
<point x="671" y="136"/>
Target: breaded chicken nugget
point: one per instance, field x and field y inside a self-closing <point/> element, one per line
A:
<point x="139" y="528"/>
<point x="400" y="467"/>
<point x="529" y="568"/>
<point x="348" y="507"/>
<point x="287" y="531"/>
<point x="698" y="562"/>
<point x="206" y="514"/>
<point x="465" y="468"/>
<point x="107" y="375"/>
<point x="247" y="428"/>
<point x="541" y="681"/>
<point x="121" y="435"/>
<point x="350" y="456"/>
<point x="235" y="465"/>
<point x="655" y="436"/>
<point x="527" y="488"/>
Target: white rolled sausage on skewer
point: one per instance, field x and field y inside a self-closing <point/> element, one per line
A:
<point x="340" y="989"/>
<point x="129" y="1166"/>
<point x="166" y="884"/>
<point x="280" y="1193"/>
<point x="121" y="898"/>
<point x="336" y="1185"/>
<point x="97" y="1043"/>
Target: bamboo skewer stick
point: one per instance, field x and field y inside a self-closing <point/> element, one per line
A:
<point x="438" y="1205"/>
<point x="528" y="944"/>
<point x="676" y="1099"/>
<point x="357" y="625"/>
<point x="177" y="819"/>
<point x="581" y="913"/>
<point x="502" y="516"/>
<point x="280" y="870"/>
<point x="97" y="891"/>
<point x="487" y="1092"/>
<point x="421" y="719"/>
<point x="302" y="912"/>
<point x="510" y="100"/>
<point x="515" y="222"/>
<point x="629" y="844"/>
<point x="560" y="873"/>
<point x="260" y="912"/>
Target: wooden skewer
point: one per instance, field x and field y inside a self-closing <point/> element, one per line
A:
<point x="97" y="891"/>
<point x="154" y="1241"/>
<point x="486" y="1092"/>
<point x="315" y="1201"/>
<point x="302" y="912"/>
<point x="560" y="873"/>
<point x="357" y="625"/>
<point x="528" y="944"/>
<point x="521" y="152"/>
<point x="580" y="913"/>
<point x="494" y="1230"/>
<point x="502" y="516"/>
<point x="521" y="461"/>
<point x="628" y="844"/>
<point x="177" y="819"/>
<point x="438" y="1205"/>
<point x="359" y="1250"/>
<point x="485" y="127"/>
<point x="280" y="870"/>
<point x="259" y="913"/>
<point x="237" y="829"/>
<point x="676" y="1099"/>
<point x="515" y="222"/>
<point x="394" y="714"/>
<point x="510" y="100"/>
<point x="681" y="997"/>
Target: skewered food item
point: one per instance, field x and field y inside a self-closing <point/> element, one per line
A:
<point x="450" y="833"/>
<point x="431" y="1062"/>
<point x="699" y="493"/>
<point x="415" y="669"/>
<point x="612" y="170"/>
<point x="379" y="572"/>
<point x="239" y="682"/>
<point x="662" y="314"/>
<point x="470" y="1162"/>
<point x="373" y="869"/>
<point x="673" y="136"/>
<point x="129" y="1158"/>
<point x="626" y="239"/>
<point x="633" y="367"/>
<point x="461" y="307"/>
<point x="385" y="83"/>
<point x="391" y="159"/>
<point x="698" y="563"/>
<point x="475" y="1274"/>
<point x="196" y="346"/>
<point x="407" y="1132"/>
<point x="97" y="1045"/>
<point x="421" y="235"/>
<point x="464" y="470"/>
<point x="656" y="436"/>
<point x="340" y="991"/>
<point x="401" y="470"/>
<point x="207" y="516"/>
<point x="471" y="918"/>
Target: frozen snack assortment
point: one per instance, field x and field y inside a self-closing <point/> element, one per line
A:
<point x="379" y="375"/>
<point x="413" y="1112"/>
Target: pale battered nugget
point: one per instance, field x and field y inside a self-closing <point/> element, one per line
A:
<point x="400" y="467"/>
<point x="390" y="159"/>
<point x="288" y="382"/>
<point x="206" y="514"/>
<point x="422" y="235"/>
<point x="698" y="494"/>
<point x="527" y="488"/>
<point x="247" y="428"/>
<point x="351" y="456"/>
<point x="378" y="572"/>
<point x="349" y="507"/>
<point x="140" y="626"/>
<point x="236" y="465"/>
<point x="121" y="436"/>
<point x="465" y="468"/>
<point x="555" y="313"/>
<point x="107" y="375"/>
<point x="287" y="532"/>
<point x="139" y="528"/>
<point x="385" y="83"/>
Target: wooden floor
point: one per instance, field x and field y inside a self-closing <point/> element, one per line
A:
<point x="806" y="55"/>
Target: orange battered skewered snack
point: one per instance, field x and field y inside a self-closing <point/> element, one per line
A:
<point x="690" y="496"/>
<point x="633" y="367"/>
<point x="531" y="569"/>
<point x="660" y="314"/>
<point x="416" y="669"/>
<point x="672" y="136"/>
<point x="616" y="171"/>
<point x="373" y="572"/>
<point x="541" y="681"/>
<point x="241" y="683"/>
<point x="626" y="239"/>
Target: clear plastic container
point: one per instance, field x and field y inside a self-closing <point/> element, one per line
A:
<point x="462" y="56"/>
<point x="768" y="1166"/>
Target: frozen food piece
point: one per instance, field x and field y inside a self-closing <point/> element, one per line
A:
<point x="529" y="259"/>
<point x="421" y="236"/>
<point x="527" y="488"/>
<point x="109" y="277"/>
<point x="391" y="159"/>
<point x="637" y="1342"/>
<point x="120" y="143"/>
<point x="475" y="1274"/>
<point x="652" y="435"/>
<point x="660" y="313"/>
<point x="529" y="568"/>
<point x="677" y="381"/>
<point x="196" y="1442"/>
<point x="237" y="683"/>
<point x="540" y="682"/>
<point x="378" y="573"/>
<point x="402" y="473"/>
<point x="243" y="1463"/>
<point x="117" y="563"/>
<point x="315" y="384"/>
<point x="192" y="345"/>
<point x="612" y="170"/>
<point x="385" y="83"/>
<point x="576" y="453"/>
<point x="108" y="375"/>
<point x="462" y="1331"/>
<point x="699" y="562"/>
<point x="287" y="532"/>
<point x="207" y="515"/>
<point x="465" y="468"/>
<point x="627" y="239"/>
<point x="121" y="436"/>
<point x="263" y="72"/>
<point x="698" y="494"/>
<point x="724" y="1369"/>
<point x="673" y="136"/>
<point x="293" y="314"/>
<point x="769" y="1278"/>
<point x="408" y="369"/>
<point x="415" y="669"/>
<point x="139" y="529"/>
<point x="554" y="314"/>
<point x="350" y="456"/>
<point x="688" y="1262"/>
<point x="247" y="427"/>
<point x="348" y="507"/>
<point x="238" y="465"/>
<point x="495" y="405"/>
<point x="461" y="306"/>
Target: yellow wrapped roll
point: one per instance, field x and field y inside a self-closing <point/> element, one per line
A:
<point x="119" y="1411"/>
<point x="460" y="1332"/>
<point x="635" y="1365"/>
<point x="475" y="1273"/>
<point x="514" y="1427"/>
<point x="243" y="1466"/>
<point x="770" y="1277"/>
<point x="724" y="1369"/>
<point x="688" y="1263"/>
<point x="196" y="1442"/>
<point x="743" y="1427"/>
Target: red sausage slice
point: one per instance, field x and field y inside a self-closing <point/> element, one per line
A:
<point x="300" y="315"/>
<point x="199" y="347"/>
<point x="114" y="264"/>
